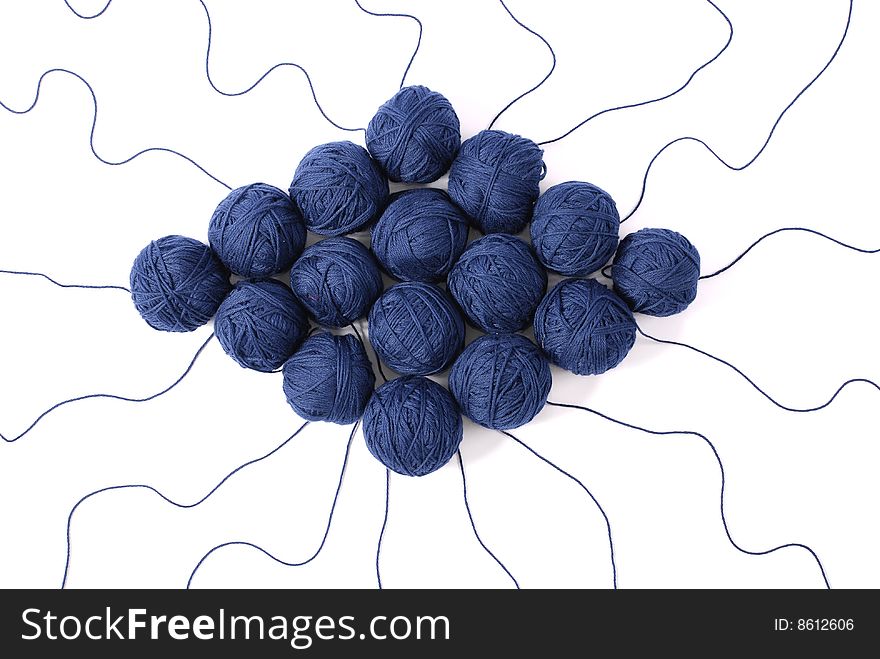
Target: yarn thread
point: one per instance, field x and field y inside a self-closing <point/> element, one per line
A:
<point x="177" y="284"/>
<point x="498" y="283"/>
<point x="420" y="235"/>
<point x="575" y="228"/>
<point x="260" y="324"/>
<point x="256" y="231"/>
<point x="414" y="135"/>
<point x="495" y="178"/>
<point x="338" y="188"/>
<point x="329" y="378"/>
<point x="656" y="271"/>
<point x="412" y="425"/>
<point x="583" y="327"/>
<point x="500" y="381"/>
<point x="336" y="280"/>
<point x="416" y="329"/>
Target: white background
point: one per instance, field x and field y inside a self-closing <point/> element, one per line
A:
<point x="798" y="314"/>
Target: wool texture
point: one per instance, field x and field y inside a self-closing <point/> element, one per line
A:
<point x="420" y="235"/>
<point x="416" y="329"/>
<point x="498" y="283"/>
<point x="329" y="378"/>
<point x="336" y="280"/>
<point x="414" y="136"/>
<point x="177" y="284"/>
<point x="338" y="188"/>
<point x="584" y="327"/>
<point x="575" y="228"/>
<point x="412" y="425"/>
<point x="501" y="381"/>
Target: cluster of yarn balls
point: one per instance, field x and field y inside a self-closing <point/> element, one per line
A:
<point x="419" y="237"/>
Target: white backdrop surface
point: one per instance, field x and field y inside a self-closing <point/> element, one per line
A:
<point x="798" y="314"/>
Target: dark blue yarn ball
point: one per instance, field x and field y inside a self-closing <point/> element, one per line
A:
<point x="415" y="135"/>
<point x="329" y="378"/>
<point x="500" y="381"/>
<point x="420" y="235"/>
<point x="337" y="280"/>
<point x="584" y="327"/>
<point x="656" y="271"/>
<point x="412" y="425"/>
<point x="416" y="329"/>
<point x="338" y="188"/>
<point x="177" y="284"/>
<point x="495" y="180"/>
<point x="257" y="231"/>
<point x="575" y="228"/>
<point x="498" y="283"/>
<point x="260" y="324"/>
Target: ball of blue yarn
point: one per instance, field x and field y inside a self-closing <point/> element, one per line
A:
<point x="257" y="231"/>
<point x="329" y="378"/>
<point x="495" y="178"/>
<point x="656" y="271"/>
<point x="420" y="235"/>
<point x="260" y="324"/>
<point x="412" y="425"/>
<point x="338" y="188"/>
<point x="416" y="329"/>
<point x="415" y="135"/>
<point x="498" y="283"/>
<point x="177" y="284"/>
<point x="337" y="280"/>
<point x="500" y="381"/>
<point x="575" y="228"/>
<point x="584" y="327"/>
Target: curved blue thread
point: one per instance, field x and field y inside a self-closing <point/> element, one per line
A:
<point x="111" y="396"/>
<point x="269" y="554"/>
<point x="167" y="499"/>
<point x="783" y="230"/>
<point x="543" y="80"/>
<point x="583" y="487"/>
<point x="60" y="285"/>
<point x="264" y="76"/>
<point x="84" y="16"/>
<point x="659" y="98"/>
<point x="781" y="406"/>
<point x="384" y="524"/>
<point x="474" y="526"/>
<point x="95" y="121"/>
<point x="418" y="43"/>
<point x="693" y="433"/>
<point x="739" y="168"/>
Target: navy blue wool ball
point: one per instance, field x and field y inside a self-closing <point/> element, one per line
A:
<point x="500" y="381"/>
<point x="495" y="180"/>
<point x="337" y="280"/>
<point x="656" y="271"/>
<point x="412" y="425"/>
<point x="575" y="228"/>
<point x="498" y="283"/>
<point x="177" y="284"/>
<point x="260" y="324"/>
<point x="420" y="235"/>
<point x="338" y="188"/>
<point x="257" y="231"/>
<point x="329" y="378"/>
<point x="415" y="135"/>
<point x="584" y="327"/>
<point x="416" y="329"/>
